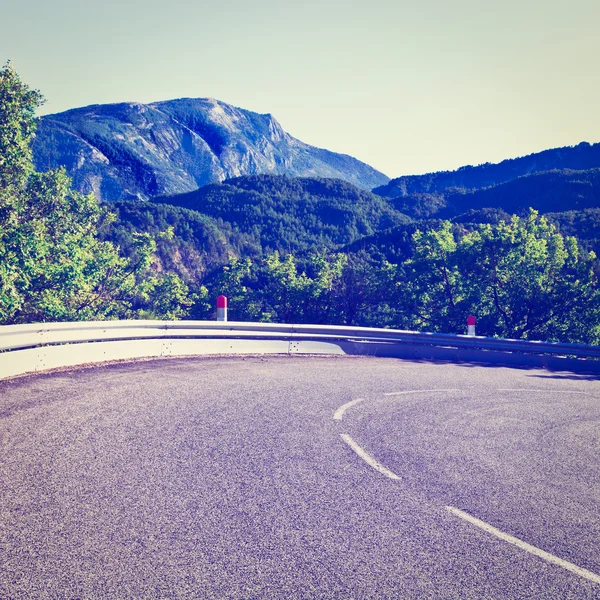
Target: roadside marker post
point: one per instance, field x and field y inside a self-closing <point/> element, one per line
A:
<point x="222" y="308"/>
<point x="471" y="325"/>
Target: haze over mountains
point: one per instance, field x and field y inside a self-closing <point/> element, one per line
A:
<point x="137" y="151"/>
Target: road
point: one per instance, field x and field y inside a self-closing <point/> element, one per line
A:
<point x="300" y="477"/>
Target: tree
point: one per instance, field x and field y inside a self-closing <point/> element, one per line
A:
<point x="531" y="282"/>
<point x="430" y="287"/>
<point x="277" y="290"/>
<point x="18" y="104"/>
<point x="232" y="282"/>
<point x="52" y="265"/>
<point x="363" y="293"/>
<point x="521" y="278"/>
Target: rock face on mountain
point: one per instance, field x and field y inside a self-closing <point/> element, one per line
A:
<point x="581" y="157"/>
<point x="138" y="151"/>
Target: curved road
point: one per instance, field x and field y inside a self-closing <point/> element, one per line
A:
<point x="305" y="477"/>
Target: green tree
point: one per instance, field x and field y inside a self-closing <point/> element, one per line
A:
<point x="529" y="281"/>
<point x="233" y="282"/>
<point x="521" y="278"/>
<point x="18" y="104"/>
<point x="430" y="289"/>
<point x="52" y="265"/>
<point x="292" y="295"/>
<point x="276" y="289"/>
<point x="363" y="292"/>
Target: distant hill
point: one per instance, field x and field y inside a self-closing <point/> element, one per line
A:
<point x="292" y="214"/>
<point x="550" y="191"/>
<point x="252" y="215"/>
<point x="553" y="191"/>
<point x="138" y="151"/>
<point x="581" y="157"/>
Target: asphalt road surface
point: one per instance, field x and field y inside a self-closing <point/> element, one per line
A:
<point x="306" y="477"/>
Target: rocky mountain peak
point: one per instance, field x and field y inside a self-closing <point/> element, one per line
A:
<point x="134" y="150"/>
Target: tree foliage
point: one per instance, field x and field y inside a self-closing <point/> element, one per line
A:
<point x="521" y="278"/>
<point x="53" y="266"/>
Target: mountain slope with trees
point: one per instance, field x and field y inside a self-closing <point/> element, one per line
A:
<point x="548" y="191"/>
<point x="196" y="245"/>
<point x="53" y="265"/>
<point x="292" y="214"/>
<point x="582" y="157"/>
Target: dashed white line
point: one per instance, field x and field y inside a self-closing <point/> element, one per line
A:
<point x="416" y="392"/>
<point x="525" y="546"/>
<point x="339" y="413"/>
<point x="368" y="458"/>
<point x="544" y="391"/>
<point x="589" y="575"/>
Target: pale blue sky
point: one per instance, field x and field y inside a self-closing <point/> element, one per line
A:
<point x="407" y="87"/>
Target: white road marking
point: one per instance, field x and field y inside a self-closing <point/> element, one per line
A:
<point x="457" y="512"/>
<point x="416" y="392"/>
<point x="368" y="458"/>
<point x="525" y="546"/>
<point x="545" y="391"/>
<point x="339" y="413"/>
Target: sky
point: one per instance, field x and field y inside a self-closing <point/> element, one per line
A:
<point x="407" y="87"/>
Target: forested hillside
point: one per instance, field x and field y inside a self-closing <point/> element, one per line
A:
<point x="569" y="198"/>
<point x="583" y="224"/>
<point x="549" y="191"/>
<point x="195" y="245"/>
<point x="518" y="253"/>
<point x="582" y="157"/>
<point x="292" y="215"/>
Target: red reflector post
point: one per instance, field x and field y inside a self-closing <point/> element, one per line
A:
<point x="471" y="325"/>
<point x="222" y="308"/>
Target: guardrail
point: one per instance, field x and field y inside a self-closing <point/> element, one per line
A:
<point x="43" y="346"/>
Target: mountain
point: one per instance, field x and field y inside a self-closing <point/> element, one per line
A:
<point x="583" y="224"/>
<point x="581" y="157"/>
<point x="138" y="151"/>
<point x="291" y="214"/>
<point x="550" y="191"/>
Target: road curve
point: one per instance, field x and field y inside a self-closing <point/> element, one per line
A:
<point x="234" y="478"/>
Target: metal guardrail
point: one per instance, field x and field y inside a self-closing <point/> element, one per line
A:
<point x="42" y="346"/>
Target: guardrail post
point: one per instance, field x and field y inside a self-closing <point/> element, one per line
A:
<point x="471" y="325"/>
<point x="222" y="308"/>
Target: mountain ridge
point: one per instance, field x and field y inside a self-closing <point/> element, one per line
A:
<point x="291" y="214"/>
<point x="133" y="150"/>
<point x="582" y="156"/>
<point x="546" y="191"/>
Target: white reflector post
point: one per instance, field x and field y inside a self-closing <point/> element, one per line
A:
<point x="222" y="308"/>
